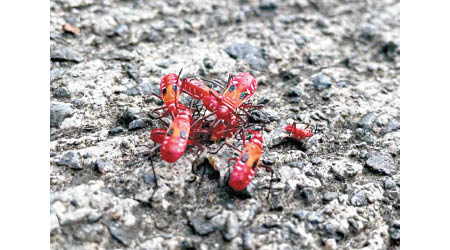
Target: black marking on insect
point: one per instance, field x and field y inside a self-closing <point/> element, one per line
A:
<point x="244" y="157"/>
<point x="170" y="132"/>
<point x="183" y="134"/>
<point x="164" y="91"/>
<point x="254" y="164"/>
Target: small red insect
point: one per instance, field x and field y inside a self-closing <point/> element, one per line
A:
<point x="196" y="134"/>
<point x="239" y="89"/>
<point x="194" y="88"/>
<point x="246" y="165"/>
<point x="299" y="133"/>
<point x="170" y="91"/>
<point x="175" y="141"/>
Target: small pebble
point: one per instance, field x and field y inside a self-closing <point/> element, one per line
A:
<point x="72" y="160"/>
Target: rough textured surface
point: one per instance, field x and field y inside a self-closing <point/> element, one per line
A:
<point x="333" y="64"/>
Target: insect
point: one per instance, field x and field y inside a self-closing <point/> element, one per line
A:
<point x="176" y="139"/>
<point x="182" y="131"/>
<point x="196" y="135"/>
<point x="299" y="133"/>
<point x="240" y="88"/>
<point x="246" y="164"/>
<point x="170" y="91"/>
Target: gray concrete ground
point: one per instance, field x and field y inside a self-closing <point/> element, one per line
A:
<point x="333" y="64"/>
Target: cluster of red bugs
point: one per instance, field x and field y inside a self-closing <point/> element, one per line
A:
<point x="228" y="117"/>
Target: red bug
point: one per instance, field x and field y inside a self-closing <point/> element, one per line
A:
<point x="239" y="89"/>
<point x="299" y="133"/>
<point x="194" y="88"/>
<point x="170" y="90"/>
<point x="196" y="135"/>
<point x="175" y="141"/>
<point x="180" y="133"/>
<point x="246" y="164"/>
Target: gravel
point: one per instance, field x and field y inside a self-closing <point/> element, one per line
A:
<point x="202" y="227"/>
<point x="247" y="240"/>
<point x="66" y="54"/>
<point x="104" y="166"/>
<point x="144" y="88"/>
<point x="56" y="74"/>
<point x="380" y="163"/>
<point x="321" y="82"/>
<point x="329" y="196"/>
<point x="133" y="73"/>
<point x="394" y="233"/>
<point x="119" y="234"/>
<point x="72" y="160"/>
<point x="332" y="64"/>
<point x="115" y="131"/>
<point x="367" y="120"/>
<point x="231" y="227"/>
<point x="61" y="92"/>
<point x="359" y="198"/>
<point x="58" y="113"/>
<point x="139" y="124"/>
<point x="252" y="55"/>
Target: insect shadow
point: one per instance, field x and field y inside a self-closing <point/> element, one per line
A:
<point x="291" y="143"/>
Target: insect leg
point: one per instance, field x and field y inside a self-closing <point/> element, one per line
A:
<point x="156" y="109"/>
<point x="228" y="162"/>
<point x="151" y="160"/>
<point x="198" y="156"/>
<point x="157" y="95"/>
<point x="225" y="143"/>
<point x="270" y="185"/>
<point x="245" y="111"/>
<point x="243" y="136"/>
<point x="292" y="129"/>
<point x="269" y="169"/>
<point x="203" y="118"/>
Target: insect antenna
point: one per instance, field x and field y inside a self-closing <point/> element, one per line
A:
<point x="178" y="81"/>
<point x="230" y="76"/>
<point x="178" y="76"/>
<point x="214" y="83"/>
<point x="219" y="83"/>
